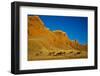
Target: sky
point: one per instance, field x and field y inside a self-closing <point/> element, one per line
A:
<point x="75" y="27"/>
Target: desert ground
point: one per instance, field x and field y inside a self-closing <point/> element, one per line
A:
<point x="55" y="53"/>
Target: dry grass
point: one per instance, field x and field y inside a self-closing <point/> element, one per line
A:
<point x="37" y="51"/>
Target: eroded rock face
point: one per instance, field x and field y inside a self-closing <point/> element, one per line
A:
<point x="41" y="39"/>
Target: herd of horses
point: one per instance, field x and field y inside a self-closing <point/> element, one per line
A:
<point x="59" y="53"/>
